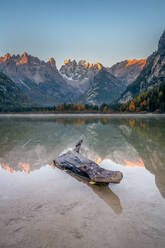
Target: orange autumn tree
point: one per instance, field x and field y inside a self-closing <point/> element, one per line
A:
<point x="106" y="108"/>
<point x="132" y="106"/>
<point x="80" y="107"/>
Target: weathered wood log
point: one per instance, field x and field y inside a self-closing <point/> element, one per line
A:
<point x="74" y="162"/>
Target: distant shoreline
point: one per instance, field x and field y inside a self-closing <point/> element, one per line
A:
<point x="52" y="114"/>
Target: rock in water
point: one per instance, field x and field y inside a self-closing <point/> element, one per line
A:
<point x="73" y="162"/>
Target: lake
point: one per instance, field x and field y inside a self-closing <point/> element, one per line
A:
<point x="44" y="207"/>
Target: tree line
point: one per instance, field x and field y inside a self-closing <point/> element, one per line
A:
<point x="63" y="108"/>
<point x="152" y="100"/>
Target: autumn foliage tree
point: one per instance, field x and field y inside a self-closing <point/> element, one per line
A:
<point x="131" y="106"/>
<point x="151" y="100"/>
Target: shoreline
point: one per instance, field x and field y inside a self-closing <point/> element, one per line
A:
<point x="56" y="115"/>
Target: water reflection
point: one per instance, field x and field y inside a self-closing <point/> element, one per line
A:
<point x="102" y="191"/>
<point x="139" y="163"/>
<point x="7" y="167"/>
<point x="21" y="166"/>
<point x="29" y="144"/>
<point x="148" y="138"/>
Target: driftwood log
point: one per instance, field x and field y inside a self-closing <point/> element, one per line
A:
<point x="73" y="162"/>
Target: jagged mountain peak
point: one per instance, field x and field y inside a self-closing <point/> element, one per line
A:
<point x="52" y="62"/>
<point x="69" y="61"/>
<point x="161" y="44"/>
<point x="128" y="70"/>
<point x="7" y="56"/>
<point x="138" y="62"/>
<point x="26" y="59"/>
<point x="25" y="54"/>
<point x="152" y="74"/>
<point x="73" y="70"/>
<point x="82" y="62"/>
<point x="104" y="88"/>
<point x="36" y="78"/>
<point x="88" y="65"/>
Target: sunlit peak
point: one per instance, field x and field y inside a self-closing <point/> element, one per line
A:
<point x="141" y="62"/>
<point x="23" y="60"/>
<point x="52" y="61"/>
<point x="99" y="66"/>
<point x="66" y="61"/>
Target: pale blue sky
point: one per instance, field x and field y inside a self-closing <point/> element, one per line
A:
<point x="106" y="31"/>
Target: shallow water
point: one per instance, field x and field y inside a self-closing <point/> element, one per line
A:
<point x="41" y="206"/>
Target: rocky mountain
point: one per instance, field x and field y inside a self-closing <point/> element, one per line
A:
<point x="72" y="70"/>
<point x="10" y="94"/>
<point x="94" y="82"/>
<point x="79" y="74"/>
<point x="37" y="79"/>
<point x="104" y="88"/>
<point x="77" y="82"/>
<point x="127" y="70"/>
<point x="152" y="74"/>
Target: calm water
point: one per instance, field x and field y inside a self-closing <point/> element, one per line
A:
<point x="44" y="207"/>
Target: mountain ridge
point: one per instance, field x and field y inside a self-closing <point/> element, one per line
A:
<point x="104" y="88"/>
<point x="82" y="81"/>
<point x="37" y="79"/>
<point x="152" y="74"/>
<point x="128" y="70"/>
<point x="10" y="94"/>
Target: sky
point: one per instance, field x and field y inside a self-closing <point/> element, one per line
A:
<point x="105" y="31"/>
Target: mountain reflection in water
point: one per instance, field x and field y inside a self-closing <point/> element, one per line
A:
<point x="27" y="144"/>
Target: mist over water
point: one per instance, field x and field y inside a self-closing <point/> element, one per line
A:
<point x="41" y="206"/>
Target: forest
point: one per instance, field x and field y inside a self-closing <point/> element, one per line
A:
<point x="152" y="100"/>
